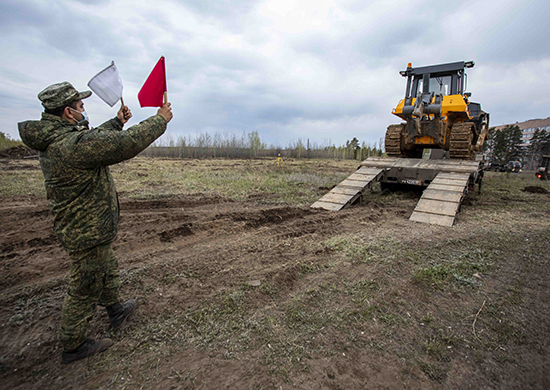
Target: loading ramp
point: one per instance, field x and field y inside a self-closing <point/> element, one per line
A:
<point x="447" y="183"/>
<point x="348" y="191"/>
<point x="440" y="202"/>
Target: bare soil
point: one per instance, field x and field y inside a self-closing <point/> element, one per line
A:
<point x="257" y="295"/>
<point x="18" y="152"/>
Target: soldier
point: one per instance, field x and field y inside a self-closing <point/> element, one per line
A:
<point x="75" y="162"/>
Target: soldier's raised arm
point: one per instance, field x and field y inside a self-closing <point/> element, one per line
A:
<point x="99" y="148"/>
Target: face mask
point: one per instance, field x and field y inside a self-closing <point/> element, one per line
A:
<point x="84" y="116"/>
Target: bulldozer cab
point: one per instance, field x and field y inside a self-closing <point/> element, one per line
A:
<point x="445" y="79"/>
<point x="438" y="114"/>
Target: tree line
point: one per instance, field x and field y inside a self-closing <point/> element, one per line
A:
<point x="250" y="145"/>
<point x="6" y="141"/>
<point x="507" y="145"/>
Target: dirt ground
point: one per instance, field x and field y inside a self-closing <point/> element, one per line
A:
<point x="253" y="293"/>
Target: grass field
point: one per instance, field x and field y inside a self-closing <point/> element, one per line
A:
<point x="242" y="285"/>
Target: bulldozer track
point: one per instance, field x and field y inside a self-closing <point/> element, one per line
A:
<point x="460" y="145"/>
<point x="393" y="140"/>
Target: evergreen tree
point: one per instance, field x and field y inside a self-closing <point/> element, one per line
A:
<point x="540" y="144"/>
<point x="353" y="148"/>
<point x="506" y="143"/>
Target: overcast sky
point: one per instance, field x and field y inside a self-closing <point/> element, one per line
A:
<point x="323" y="70"/>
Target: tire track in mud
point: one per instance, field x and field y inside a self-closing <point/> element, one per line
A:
<point x="221" y="247"/>
<point x="206" y="234"/>
<point x="206" y="227"/>
<point x="174" y="254"/>
<point x="29" y="248"/>
<point x="209" y="240"/>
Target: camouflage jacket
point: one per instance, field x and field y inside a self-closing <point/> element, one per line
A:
<point x="79" y="185"/>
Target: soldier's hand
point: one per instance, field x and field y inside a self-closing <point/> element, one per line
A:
<point x="124" y="114"/>
<point x="166" y="112"/>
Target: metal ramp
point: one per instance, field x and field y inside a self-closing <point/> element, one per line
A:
<point x="348" y="191"/>
<point x="446" y="182"/>
<point x="440" y="202"/>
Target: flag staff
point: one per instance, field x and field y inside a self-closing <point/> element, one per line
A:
<point x="165" y="91"/>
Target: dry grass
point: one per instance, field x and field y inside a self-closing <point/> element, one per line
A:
<point x="290" y="182"/>
<point x="380" y="288"/>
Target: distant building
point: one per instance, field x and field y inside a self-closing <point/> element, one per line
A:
<point x="528" y="128"/>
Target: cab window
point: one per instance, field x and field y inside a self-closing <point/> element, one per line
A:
<point x="438" y="85"/>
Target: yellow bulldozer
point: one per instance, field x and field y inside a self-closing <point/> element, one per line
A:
<point x="438" y="114"/>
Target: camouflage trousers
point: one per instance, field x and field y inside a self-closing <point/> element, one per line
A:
<point x="93" y="280"/>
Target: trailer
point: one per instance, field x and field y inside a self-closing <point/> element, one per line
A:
<point x="445" y="182"/>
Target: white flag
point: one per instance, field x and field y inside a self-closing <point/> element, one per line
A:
<point x="107" y="84"/>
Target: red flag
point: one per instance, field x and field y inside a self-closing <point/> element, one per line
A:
<point x="153" y="90"/>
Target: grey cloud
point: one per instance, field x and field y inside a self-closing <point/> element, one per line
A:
<point x="219" y="63"/>
<point x="368" y="45"/>
<point x="228" y="13"/>
<point x="94" y="2"/>
<point x="207" y="69"/>
<point x="260" y="105"/>
<point x="279" y="114"/>
<point x="423" y="10"/>
<point x="226" y="97"/>
<point x="12" y="102"/>
<point x="236" y="89"/>
<point x="391" y="41"/>
<point x="220" y="8"/>
<point x="522" y="37"/>
<point x="71" y="32"/>
<point x="12" y="74"/>
<point x="16" y="15"/>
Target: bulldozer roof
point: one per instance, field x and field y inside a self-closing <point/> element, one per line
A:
<point x="441" y="68"/>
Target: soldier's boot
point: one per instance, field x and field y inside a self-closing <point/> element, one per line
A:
<point x="119" y="313"/>
<point x="87" y="348"/>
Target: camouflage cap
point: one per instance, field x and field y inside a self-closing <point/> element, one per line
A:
<point x="60" y="94"/>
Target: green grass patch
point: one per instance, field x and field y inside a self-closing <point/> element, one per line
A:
<point x="504" y="191"/>
<point x="22" y="183"/>
<point x="453" y="269"/>
<point x="6" y="141"/>
<point x="233" y="179"/>
<point x="433" y="371"/>
<point x="352" y="248"/>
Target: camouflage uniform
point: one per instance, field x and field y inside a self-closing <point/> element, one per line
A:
<point x="93" y="279"/>
<point x="83" y="199"/>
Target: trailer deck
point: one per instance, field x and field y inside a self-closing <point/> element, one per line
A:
<point x="446" y="182"/>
